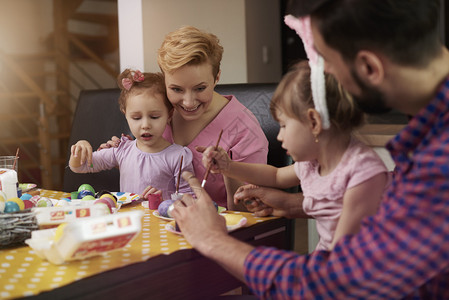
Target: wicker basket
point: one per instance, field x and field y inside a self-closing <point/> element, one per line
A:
<point x="16" y="227"/>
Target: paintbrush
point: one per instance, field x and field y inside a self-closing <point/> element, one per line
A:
<point x="208" y="168"/>
<point x="179" y="174"/>
<point x="15" y="159"/>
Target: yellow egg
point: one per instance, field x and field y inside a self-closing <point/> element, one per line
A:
<point x="59" y="232"/>
<point x="109" y="196"/>
<point x="18" y="201"/>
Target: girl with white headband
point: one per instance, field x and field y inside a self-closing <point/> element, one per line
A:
<point x="341" y="178"/>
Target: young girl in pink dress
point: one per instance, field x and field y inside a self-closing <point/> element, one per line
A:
<point x="149" y="163"/>
<point x="341" y="178"/>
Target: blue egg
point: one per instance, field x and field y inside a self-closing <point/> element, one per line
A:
<point x="85" y="193"/>
<point x="163" y="207"/>
<point x="26" y="196"/>
<point x="11" y="206"/>
<point x="67" y="199"/>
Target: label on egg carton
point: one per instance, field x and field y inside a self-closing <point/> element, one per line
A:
<point x="53" y="216"/>
<point x="85" y="238"/>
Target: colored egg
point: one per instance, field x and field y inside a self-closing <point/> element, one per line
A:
<point x="26" y="196"/>
<point x="110" y="196"/>
<point x="85" y="193"/>
<point x="102" y="192"/>
<point x="44" y="202"/>
<point x="105" y="201"/>
<point x="35" y="199"/>
<point x="11" y="206"/>
<point x="88" y="198"/>
<point x="163" y="207"/>
<point x="18" y="201"/>
<point x="67" y="199"/>
<point x="62" y="203"/>
<point x="74" y="195"/>
<point x="28" y="204"/>
<point x="86" y="187"/>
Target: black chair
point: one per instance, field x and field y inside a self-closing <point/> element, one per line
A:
<point x="97" y="118"/>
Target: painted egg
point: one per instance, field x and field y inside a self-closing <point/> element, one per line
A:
<point x="106" y="201"/>
<point x="26" y="196"/>
<point x="85" y="193"/>
<point x="44" y="202"/>
<point x="28" y="204"/>
<point x="88" y="197"/>
<point x="163" y="207"/>
<point x="62" y="203"/>
<point x="86" y="187"/>
<point x="18" y="201"/>
<point x="110" y="196"/>
<point x="74" y="195"/>
<point x="104" y="208"/>
<point x="35" y="199"/>
<point x="11" y="206"/>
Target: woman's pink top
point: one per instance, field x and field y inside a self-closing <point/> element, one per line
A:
<point x="242" y="135"/>
<point x="323" y="195"/>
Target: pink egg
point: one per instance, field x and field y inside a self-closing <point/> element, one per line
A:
<point x="105" y="201"/>
<point x="28" y="204"/>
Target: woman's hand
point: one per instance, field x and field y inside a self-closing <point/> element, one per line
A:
<point x="80" y="153"/>
<point x="113" y="142"/>
<point x="263" y="201"/>
<point x="150" y="190"/>
<point x="218" y="159"/>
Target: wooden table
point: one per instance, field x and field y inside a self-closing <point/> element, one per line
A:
<point x="181" y="274"/>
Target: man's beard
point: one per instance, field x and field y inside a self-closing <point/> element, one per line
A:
<point x="371" y="100"/>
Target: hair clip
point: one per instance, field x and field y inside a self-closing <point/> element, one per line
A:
<point x="303" y="29"/>
<point x="136" y="77"/>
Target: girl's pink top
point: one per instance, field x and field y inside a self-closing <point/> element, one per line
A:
<point x="323" y="195"/>
<point x="242" y="135"/>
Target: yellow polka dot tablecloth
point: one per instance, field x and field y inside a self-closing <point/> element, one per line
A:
<point x="23" y="273"/>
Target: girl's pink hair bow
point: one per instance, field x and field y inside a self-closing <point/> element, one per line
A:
<point x="304" y="30"/>
<point x="136" y="77"/>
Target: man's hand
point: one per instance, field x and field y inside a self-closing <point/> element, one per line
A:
<point x="197" y="218"/>
<point x="263" y="201"/>
<point x="206" y="230"/>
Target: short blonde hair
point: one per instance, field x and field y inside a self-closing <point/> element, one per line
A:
<point x="293" y="96"/>
<point x="189" y="45"/>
